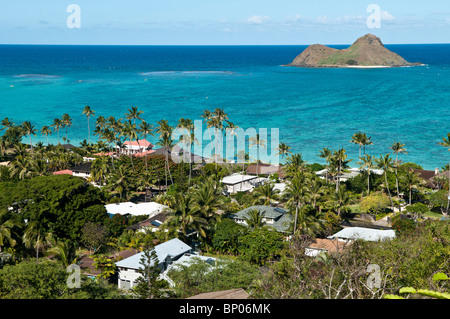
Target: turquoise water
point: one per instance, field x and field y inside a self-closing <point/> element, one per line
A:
<point x="313" y="108"/>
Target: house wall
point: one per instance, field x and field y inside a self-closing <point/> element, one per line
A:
<point x="80" y="174"/>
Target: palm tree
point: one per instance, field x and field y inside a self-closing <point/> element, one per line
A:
<point x="88" y="112"/>
<point x="34" y="236"/>
<point x="397" y="149"/>
<point x="207" y="199"/>
<point x="341" y="199"/>
<point x="6" y="123"/>
<point x="130" y="132"/>
<point x="385" y="162"/>
<point x="100" y="170"/>
<point x="358" y="138"/>
<point x="340" y="162"/>
<point x="5" y="230"/>
<point x="46" y="131"/>
<point x="265" y="194"/>
<point x="256" y="141"/>
<point x="165" y="134"/>
<point x="307" y="222"/>
<point x="315" y="190"/>
<point x="21" y="167"/>
<point x="119" y="181"/>
<point x="368" y="163"/>
<point x="185" y="216"/>
<point x="326" y="154"/>
<point x="283" y="150"/>
<point x="63" y="251"/>
<point x="145" y="129"/>
<point x="57" y="124"/>
<point x="294" y="165"/>
<point x="29" y="130"/>
<point x="67" y="122"/>
<point x="255" y="219"/>
<point x="134" y="114"/>
<point x="412" y="180"/>
<point x="145" y="182"/>
<point x="296" y="192"/>
<point x="188" y="139"/>
<point x="365" y="140"/>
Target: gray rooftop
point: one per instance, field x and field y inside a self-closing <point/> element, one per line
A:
<point x="281" y="219"/>
<point x="363" y="233"/>
<point x="172" y="248"/>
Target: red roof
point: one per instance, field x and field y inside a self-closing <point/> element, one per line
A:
<point x="65" y="171"/>
<point x="144" y="143"/>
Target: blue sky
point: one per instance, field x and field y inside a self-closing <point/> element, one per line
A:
<point x="216" y="22"/>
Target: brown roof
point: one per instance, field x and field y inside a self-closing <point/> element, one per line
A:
<point x="265" y="169"/>
<point x="148" y="222"/>
<point x="238" y="293"/>
<point x="426" y="175"/>
<point x="330" y="245"/>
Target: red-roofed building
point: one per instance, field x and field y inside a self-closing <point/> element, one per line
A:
<point x="64" y="171"/>
<point x="135" y="147"/>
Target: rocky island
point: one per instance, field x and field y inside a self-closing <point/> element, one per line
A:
<point x="366" y="52"/>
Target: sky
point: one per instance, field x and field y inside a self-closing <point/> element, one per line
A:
<point x="221" y="22"/>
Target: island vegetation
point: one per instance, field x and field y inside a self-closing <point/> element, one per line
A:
<point x="50" y="221"/>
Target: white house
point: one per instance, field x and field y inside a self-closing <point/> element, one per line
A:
<point x="129" y="208"/>
<point x="167" y="253"/>
<point x="349" y="234"/>
<point x="240" y="183"/>
<point x="83" y="170"/>
<point x="135" y="147"/>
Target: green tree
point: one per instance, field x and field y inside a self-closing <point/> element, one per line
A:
<point x="261" y="245"/>
<point x="88" y="112"/>
<point x="29" y="130"/>
<point x="226" y="236"/>
<point x="149" y="286"/>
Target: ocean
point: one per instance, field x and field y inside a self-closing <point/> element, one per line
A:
<point x="312" y="108"/>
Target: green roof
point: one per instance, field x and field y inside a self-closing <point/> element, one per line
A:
<point x="281" y="219"/>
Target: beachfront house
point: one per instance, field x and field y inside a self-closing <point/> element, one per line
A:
<point x="347" y="174"/>
<point x="135" y="147"/>
<point x="241" y="183"/>
<point x="265" y="170"/>
<point x="275" y="217"/>
<point x="167" y="253"/>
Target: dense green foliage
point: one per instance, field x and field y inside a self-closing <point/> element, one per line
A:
<point x="47" y="280"/>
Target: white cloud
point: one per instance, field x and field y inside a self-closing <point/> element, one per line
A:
<point x="387" y="16"/>
<point x="256" y="19"/>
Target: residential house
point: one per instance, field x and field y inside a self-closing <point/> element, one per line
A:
<point x="350" y="234"/>
<point x="153" y="223"/>
<point x="324" y="245"/>
<point x="275" y="217"/>
<point x="431" y="177"/>
<point x="177" y="154"/>
<point x="130" y="208"/>
<point x="135" y="147"/>
<point x="167" y="253"/>
<point x="265" y="170"/>
<point x="83" y="170"/>
<point x="241" y="183"/>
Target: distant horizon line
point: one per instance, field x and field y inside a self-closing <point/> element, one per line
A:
<point x="68" y="44"/>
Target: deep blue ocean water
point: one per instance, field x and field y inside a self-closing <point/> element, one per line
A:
<point x="313" y="108"/>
